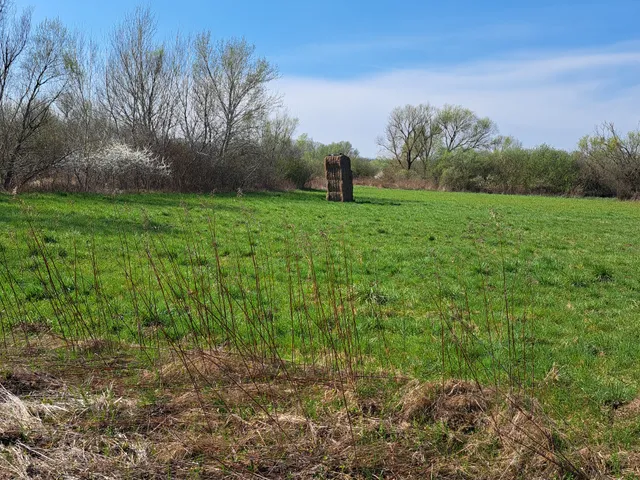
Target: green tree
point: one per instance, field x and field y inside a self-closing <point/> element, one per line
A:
<point x="462" y="129"/>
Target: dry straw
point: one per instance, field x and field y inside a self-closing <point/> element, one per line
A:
<point x="337" y="169"/>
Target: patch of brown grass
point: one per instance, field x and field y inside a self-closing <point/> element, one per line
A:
<point x="460" y="405"/>
<point x="629" y="411"/>
<point x="214" y="415"/>
<point x="215" y="366"/>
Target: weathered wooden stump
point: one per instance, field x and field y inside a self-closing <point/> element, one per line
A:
<point x="337" y="168"/>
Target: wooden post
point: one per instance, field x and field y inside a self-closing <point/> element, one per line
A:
<point x="337" y="168"/>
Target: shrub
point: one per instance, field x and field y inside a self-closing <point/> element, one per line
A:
<point x="468" y="171"/>
<point x="612" y="161"/>
<point x="363" y="167"/>
<point x="514" y="170"/>
<point x="298" y="171"/>
<point x="117" y="166"/>
<point x="552" y="171"/>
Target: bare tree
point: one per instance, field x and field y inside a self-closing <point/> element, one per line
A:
<point x="613" y="159"/>
<point x="410" y="135"/>
<point x="230" y="85"/>
<point x="34" y="67"/>
<point x="189" y="90"/>
<point x="276" y="138"/>
<point x="429" y="138"/>
<point x="14" y="36"/>
<point x="464" y="130"/>
<point x="141" y="81"/>
<point x="87" y="129"/>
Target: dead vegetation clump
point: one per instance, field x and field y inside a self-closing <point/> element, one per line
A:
<point x="527" y="440"/>
<point x="460" y="405"/>
<point x="97" y="346"/>
<point x="215" y="366"/>
<point x="16" y="419"/>
<point x="66" y="433"/>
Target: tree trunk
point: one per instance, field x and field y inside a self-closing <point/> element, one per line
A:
<point x="8" y="178"/>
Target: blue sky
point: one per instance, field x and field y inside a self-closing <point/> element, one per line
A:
<point x="546" y="71"/>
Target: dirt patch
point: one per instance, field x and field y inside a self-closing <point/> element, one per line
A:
<point x="21" y="381"/>
<point x="628" y="411"/>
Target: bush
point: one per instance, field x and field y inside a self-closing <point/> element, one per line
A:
<point x="468" y="171"/>
<point x="552" y="171"/>
<point x="391" y="175"/>
<point x="298" y="171"/>
<point x="363" y="167"/>
<point x="117" y="166"/>
<point x="514" y="170"/>
<point x="611" y="162"/>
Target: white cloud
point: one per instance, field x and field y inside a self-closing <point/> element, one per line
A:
<point x="328" y="53"/>
<point x="552" y="98"/>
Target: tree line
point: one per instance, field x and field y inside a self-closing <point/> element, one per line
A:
<point x="196" y="114"/>
<point x="452" y="148"/>
<point x="192" y="114"/>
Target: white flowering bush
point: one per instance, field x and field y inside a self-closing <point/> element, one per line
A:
<point x="119" y="158"/>
<point x="117" y="165"/>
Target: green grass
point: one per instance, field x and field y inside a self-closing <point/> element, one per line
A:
<point x="569" y="266"/>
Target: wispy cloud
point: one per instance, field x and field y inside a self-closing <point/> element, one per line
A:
<point x="338" y="46"/>
<point x="552" y="98"/>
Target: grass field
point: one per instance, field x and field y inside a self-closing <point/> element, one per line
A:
<point x="536" y="293"/>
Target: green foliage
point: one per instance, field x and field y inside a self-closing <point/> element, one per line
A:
<point x="513" y="170"/>
<point x="463" y="130"/>
<point x="363" y="167"/>
<point x="312" y="161"/>
<point x="298" y="171"/>
<point x="457" y="150"/>
<point x="468" y="171"/>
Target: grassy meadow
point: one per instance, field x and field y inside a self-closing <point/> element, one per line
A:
<point x="531" y="293"/>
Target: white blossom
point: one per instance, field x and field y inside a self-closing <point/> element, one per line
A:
<point x="120" y="159"/>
